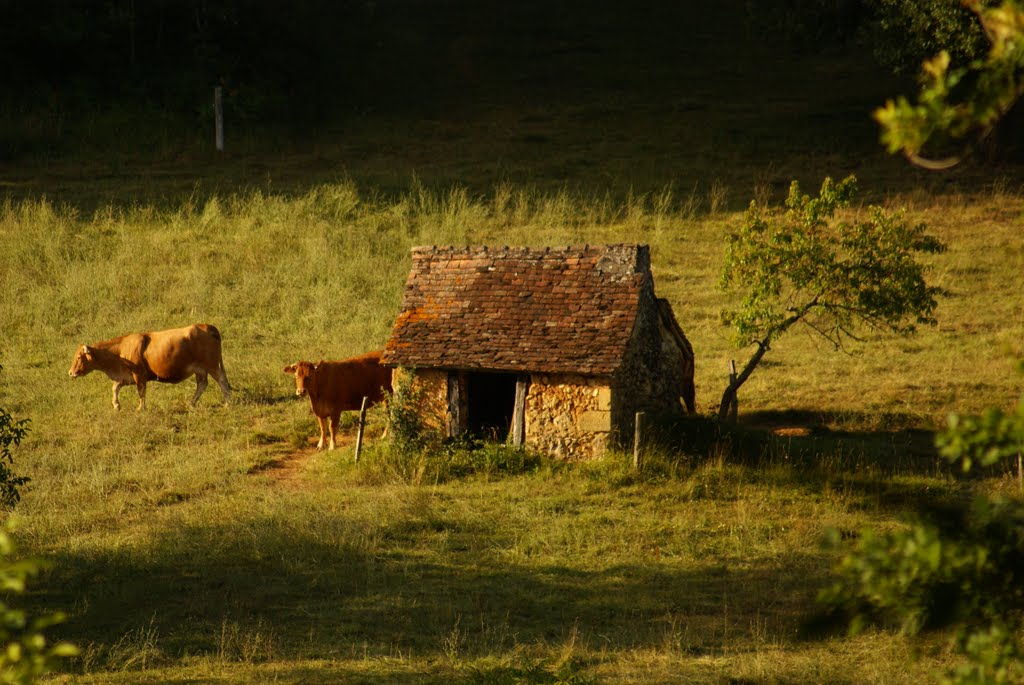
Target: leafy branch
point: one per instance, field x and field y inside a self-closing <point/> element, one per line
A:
<point x="957" y="102"/>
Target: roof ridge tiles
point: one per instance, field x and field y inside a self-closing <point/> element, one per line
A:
<point x="569" y="309"/>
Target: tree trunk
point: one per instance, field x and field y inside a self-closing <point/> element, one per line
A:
<point x="729" y="396"/>
<point x="763" y="346"/>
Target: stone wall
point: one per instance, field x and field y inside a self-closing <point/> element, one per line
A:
<point x="568" y="416"/>
<point x="652" y="377"/>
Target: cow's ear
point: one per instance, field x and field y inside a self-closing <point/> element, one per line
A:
<point x="290" y="369"/>
<point x="86" y="350"/>
<point x="318" y="365"/>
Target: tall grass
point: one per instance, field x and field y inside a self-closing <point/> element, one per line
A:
<point x="180" y="554"/>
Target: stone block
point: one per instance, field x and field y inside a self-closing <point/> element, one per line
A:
<point x="595" y="421"/>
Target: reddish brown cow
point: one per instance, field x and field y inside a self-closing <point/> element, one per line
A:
<point x="337" y="386"/>
<point x="167" y="356"/>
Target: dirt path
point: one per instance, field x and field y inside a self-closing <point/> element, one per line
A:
<point x="288" y="467"/>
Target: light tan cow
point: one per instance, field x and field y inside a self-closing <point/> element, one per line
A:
<point x="337" y="386"/>
<point x="168" y="356"/>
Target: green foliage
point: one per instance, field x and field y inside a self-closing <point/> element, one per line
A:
<point x="26" y="653"/>
<point x="907" y="32"/>
<point x="12" y="432"/>
<point x="477" y="457"/>
<point x="964" y="569"/>
<point x="807" y="265"/>
<point x="406" y="429"/>
<point x="985" y="440"/>
<point x="416" y="453"/>
<point x="956" y="100"/>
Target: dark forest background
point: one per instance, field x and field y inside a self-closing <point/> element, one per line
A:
<point x="596" y="92"/>
<point x="304" y="58"/>
<point x="304" y="63"/>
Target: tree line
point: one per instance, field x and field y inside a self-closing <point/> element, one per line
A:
<point x="297" y="59"/>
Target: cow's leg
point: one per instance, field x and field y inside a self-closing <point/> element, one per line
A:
<point x="322" y="420"/>
<point x="334" y="427"/>
<point x="221" y="377"/>
<point x="141" y="387"/>
<point x="201" y="384"/>
<point x="117" y="388"/>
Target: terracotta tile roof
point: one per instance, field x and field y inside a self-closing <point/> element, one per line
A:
<point x="547" y="310"/>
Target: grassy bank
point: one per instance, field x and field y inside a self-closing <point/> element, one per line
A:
<point x="212" y="545"/>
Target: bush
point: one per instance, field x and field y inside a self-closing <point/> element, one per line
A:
<point x="25" y="654"/>
<point x="960" y="568"/>
<point x="12" y="432"/>
<point x="406" y="429"/>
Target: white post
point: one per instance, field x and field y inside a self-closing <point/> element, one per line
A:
<point x="218" y="115"/>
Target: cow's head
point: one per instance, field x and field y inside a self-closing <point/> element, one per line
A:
<point x="82" y="363"/>
<point x="303" y="372"/>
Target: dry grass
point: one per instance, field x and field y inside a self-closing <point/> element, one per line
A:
<point x="180" y="555"/>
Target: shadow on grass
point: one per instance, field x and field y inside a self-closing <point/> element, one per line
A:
<point x="261" y="590"/>
<point x="807" y="439"/>
<point x="896" y="467"/>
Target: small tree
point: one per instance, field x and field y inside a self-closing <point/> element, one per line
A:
<point x="805" y="266"/>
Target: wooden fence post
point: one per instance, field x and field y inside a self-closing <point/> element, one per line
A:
<point x="519" y="412"/>
<point x="218" y="116"/>
<point x="637" y="439"/>
<point x="359" y="433"/>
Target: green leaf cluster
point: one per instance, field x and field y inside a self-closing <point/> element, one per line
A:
<point x="12" y="432"/>
<point x="805" y="264"/>
<point x="957" y="101"/>
<point x="907" y="32"/>
<point x="985" y="440"/>
<point x="25" y="652"/>
<point x="964" y="568"/>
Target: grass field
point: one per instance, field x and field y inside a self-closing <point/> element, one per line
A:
<point x="213" y="545"/>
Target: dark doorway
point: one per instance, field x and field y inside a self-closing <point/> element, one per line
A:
<point x="490" y="402"/>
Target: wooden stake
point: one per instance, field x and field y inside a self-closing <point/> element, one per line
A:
<point x="359" y="433"/>
<point x="218" y="116"/>
<point x="637" y="439"/>
<point x="519" y="412"/>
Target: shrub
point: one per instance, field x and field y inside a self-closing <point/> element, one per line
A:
<point x="12" y="432"/>
<point x="25" y="654"/>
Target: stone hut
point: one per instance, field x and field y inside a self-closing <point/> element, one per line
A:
<point x="554" y="348"/>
